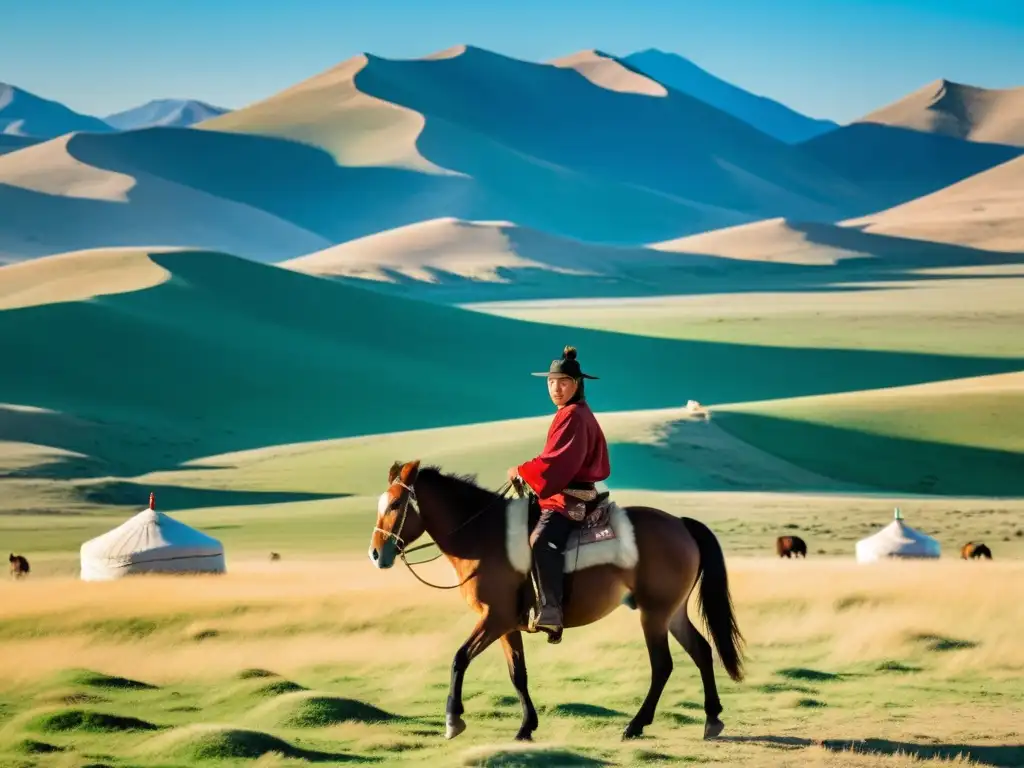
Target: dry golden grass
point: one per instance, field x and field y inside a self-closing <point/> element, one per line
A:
<point x="922" y="658"/>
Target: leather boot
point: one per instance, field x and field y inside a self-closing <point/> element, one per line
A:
<point x="549" y="565"/>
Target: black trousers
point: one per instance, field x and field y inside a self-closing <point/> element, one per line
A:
<point x="552" y="528"/>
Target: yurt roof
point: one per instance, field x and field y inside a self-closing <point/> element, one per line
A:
<point x="151" y="535"/>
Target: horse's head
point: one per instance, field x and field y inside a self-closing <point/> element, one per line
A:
<point x="398" y="520"/>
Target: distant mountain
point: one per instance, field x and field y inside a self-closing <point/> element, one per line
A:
<point x="25" y="114"/>
<point x="168" y="113"/>
<point x="765" y="114"/>
<point x="960" y="111"/>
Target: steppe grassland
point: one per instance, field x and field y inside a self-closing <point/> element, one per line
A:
<point x="919" y="657"/>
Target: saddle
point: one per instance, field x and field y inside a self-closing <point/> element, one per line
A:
<point x="595" y="528"/>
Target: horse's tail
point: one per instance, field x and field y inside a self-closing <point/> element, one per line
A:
<point x="714" y="599"/>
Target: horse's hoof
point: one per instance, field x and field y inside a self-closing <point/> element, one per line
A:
<point x="454" y="727"/>
<point x="712" y="728"/>
<point x="524" y="736"/>
<point x="632" y="732"/>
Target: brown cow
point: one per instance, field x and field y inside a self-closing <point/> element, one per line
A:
<point x="19" y="566"/>
<point x="973" y="550"/>
<point x="790" y="546"/>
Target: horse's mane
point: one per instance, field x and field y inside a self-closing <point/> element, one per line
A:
<point x="465" y="492"/>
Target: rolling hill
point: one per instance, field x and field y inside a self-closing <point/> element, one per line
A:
<point x="177" y="355"/>
<point x="982" y="211"/>
<point x="763" y="113"/>
<point x="25" y="114"/>
<point x="961" y="437"/>
<point x="168" y="113"/>
<point x="960" y="111"/>
<point x="54" y="202"/>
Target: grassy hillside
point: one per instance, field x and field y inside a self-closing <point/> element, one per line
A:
<point x="229" y="354"/>
<point x="955" y="438"/>
<point x="963" y="311"/>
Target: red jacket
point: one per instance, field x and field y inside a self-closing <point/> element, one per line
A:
<point x="575" y="451"/>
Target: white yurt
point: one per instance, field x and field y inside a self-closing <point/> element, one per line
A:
<point x="896" y="540"/>
<point x="150" y="542"/>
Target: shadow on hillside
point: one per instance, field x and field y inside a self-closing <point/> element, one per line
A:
<point x="232" y="355"/>
<point x="898" y="164"/>
<point x="989" y="754"/>
<point x="174" y="497"/>
<point x="880" y="461"/>
<point x="487" y="113"/>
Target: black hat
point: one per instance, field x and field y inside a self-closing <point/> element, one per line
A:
<point x="566" y="366"/>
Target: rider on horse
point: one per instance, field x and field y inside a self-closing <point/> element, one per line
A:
<point x="562" y="477"/>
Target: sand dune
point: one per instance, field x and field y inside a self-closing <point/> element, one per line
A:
<point x="982" y="211"/>
<point x="960" y="111"/>
<point x="513" y="125"/>
<point x="809" y="243"/>
<point x="488" y="251"/>
<point x="611" y="73"/>
<point x="169" y="113"/>
<point x="25" y="114"/>
<point x="896" y="164"/>
<point x="12" y="143"/>
<point x="56" y="202"/>
<point x="763" y="113"/>
<point x="312" y="367"/>
<point x="330" y="112"/>
<point x="78" y="276"/>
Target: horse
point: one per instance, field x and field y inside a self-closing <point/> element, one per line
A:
<point x="19" y="566"/>
<point x="790" y="546"/>
<point x="973" y="550"/>
<point x="641" y="556"/>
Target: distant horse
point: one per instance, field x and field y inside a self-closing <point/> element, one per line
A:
<point x="274" y="556"/>
<point x="639" y="556"/>
<point x="790" y="546"/>
<point x="972" y="551"/>
<point x="19" y="566"/>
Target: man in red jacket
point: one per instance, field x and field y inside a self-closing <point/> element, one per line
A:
<point x="562" y="476"/>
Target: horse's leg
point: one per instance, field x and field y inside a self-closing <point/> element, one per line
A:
<point x="483" y="635"/>
<point x="655" y="625"/>
<point x="700" y="651"/>
<point x="512" y="644"/>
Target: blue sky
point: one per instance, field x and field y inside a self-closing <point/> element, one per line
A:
<point x="828" y="58"/>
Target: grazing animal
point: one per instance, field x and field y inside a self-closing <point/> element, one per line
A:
<point x="973" y="550"/>
<point x="641" y="556"/>
<point x="790" y="546"/>
<point x="19" y="566"/>
<point x="275" y="556"/>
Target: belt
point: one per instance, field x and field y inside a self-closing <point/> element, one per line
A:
<point x="583" y="492"/>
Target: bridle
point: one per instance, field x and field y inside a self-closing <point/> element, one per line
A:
<point x="396" y="531"/>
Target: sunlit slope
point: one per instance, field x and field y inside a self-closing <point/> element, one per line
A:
<point x="55" y="200"/>
<point x="228" y="354"/>
<point x="962" y="111"/>
<point x="982" y="211"/>
<point x="961" y="437"/>
<point x="488" y="251"/>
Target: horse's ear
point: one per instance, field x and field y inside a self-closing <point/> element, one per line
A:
<point x="414" y="470"/>
<point x="395" y="470"/>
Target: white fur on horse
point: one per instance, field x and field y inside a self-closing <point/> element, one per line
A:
<point x="620" y="551"/>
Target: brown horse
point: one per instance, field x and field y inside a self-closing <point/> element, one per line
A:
<point x="973" y="550"/>
<point x="643" y="557"/>
<point x="19" y="566"/>
<point x="790" y="546"/>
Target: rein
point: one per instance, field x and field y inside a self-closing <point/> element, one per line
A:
<point x="402" y="553"/>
